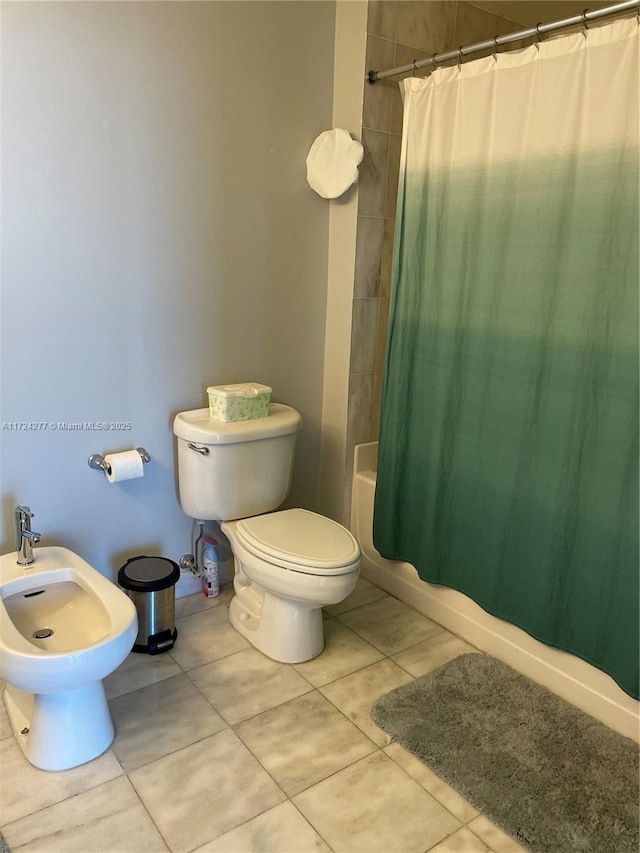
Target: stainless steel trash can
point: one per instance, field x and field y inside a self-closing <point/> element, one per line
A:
<point x="150" y="584"/>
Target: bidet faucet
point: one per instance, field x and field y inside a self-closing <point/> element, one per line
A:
<point x="26" y="538"/>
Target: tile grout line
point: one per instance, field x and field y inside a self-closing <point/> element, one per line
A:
<point x="142" y="803"/>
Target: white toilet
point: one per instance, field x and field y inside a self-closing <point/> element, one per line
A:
<point x="288" y="564"/>
<point x="63" y="628"/>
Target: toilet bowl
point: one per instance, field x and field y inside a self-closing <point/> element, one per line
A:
<point x="63" y="628"/>
<point x="289" y="565"/>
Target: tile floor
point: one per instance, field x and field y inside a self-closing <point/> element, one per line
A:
<point x="219" y="748"/>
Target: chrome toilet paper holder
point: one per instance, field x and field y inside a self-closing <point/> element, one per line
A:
<point x="100" y="464"/>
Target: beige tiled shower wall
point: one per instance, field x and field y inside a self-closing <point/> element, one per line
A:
<point x="397" y="33"/>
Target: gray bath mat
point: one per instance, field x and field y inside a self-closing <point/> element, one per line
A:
<point x="551" y="776"/>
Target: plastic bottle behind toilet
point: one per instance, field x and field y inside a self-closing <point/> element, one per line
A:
<point x="210" y="560"/>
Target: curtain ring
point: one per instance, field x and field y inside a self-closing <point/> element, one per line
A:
<point x="495" y="48"/>
<point x="585" y="23"/>
<point x="413" y="68"/>
<point x="537" y="36"/>
<point x="460" y="57"/>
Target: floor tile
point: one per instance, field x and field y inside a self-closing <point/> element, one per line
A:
<point x="364" y="593"/>
<point x="374" y="806"/>
<point x="355" y="694"/>
<point x="280" y="830"/>
<point x="196" y="786"/>
<point x="344" y="652"/>
<point x="204" y="790"/>
<point x="497" y="840"/>
<point x="189" y="604"/>
<point x="437" y="787"/>
<point x="462" y="841"/>
<point x="204" y="637"/>
<point x="390" y="625"/>
<point x="106" y="819"/>
<point x="139" y="670"/>
<point x="431" y="654"/>
<point x="24" y="789"/>
<point x="160" y="719"/>
<point x="247" y="683"/>
<point x="303" y="741"/>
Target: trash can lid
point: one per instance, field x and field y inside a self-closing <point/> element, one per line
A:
<point x="148" y="574"/>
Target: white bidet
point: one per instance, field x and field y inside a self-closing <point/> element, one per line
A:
<point x="63" y="628"/>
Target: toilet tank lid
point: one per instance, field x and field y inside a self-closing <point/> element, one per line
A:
<point x="197" y="425"/>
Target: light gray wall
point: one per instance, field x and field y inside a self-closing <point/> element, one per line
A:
<point x="158" y="236"/>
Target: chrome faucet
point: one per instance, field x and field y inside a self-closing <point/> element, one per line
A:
<point x="26" y="538"/>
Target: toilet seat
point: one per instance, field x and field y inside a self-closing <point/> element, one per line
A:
<point x="301" y="541"/>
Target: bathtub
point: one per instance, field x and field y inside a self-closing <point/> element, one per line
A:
<point x="570" y="677"/>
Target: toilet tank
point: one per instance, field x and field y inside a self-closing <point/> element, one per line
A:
<point x="236" y="469"/>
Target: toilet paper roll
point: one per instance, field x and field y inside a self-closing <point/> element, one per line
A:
<point x="123" y="466"/>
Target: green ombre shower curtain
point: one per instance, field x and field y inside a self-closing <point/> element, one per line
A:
<point x="508" y="459"/>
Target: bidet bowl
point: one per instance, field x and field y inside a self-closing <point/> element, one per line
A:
<point x="62" y="623"/>
<point x="63" y="628"/>
<point x="56" y="613"/>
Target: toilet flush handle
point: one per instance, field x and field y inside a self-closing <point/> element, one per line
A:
<point x="200" y="448"/>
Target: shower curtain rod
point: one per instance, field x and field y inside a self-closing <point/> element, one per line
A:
<point x="498" y="41"/>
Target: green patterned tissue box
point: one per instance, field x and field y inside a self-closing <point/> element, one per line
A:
<point x="242" y="402"/>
